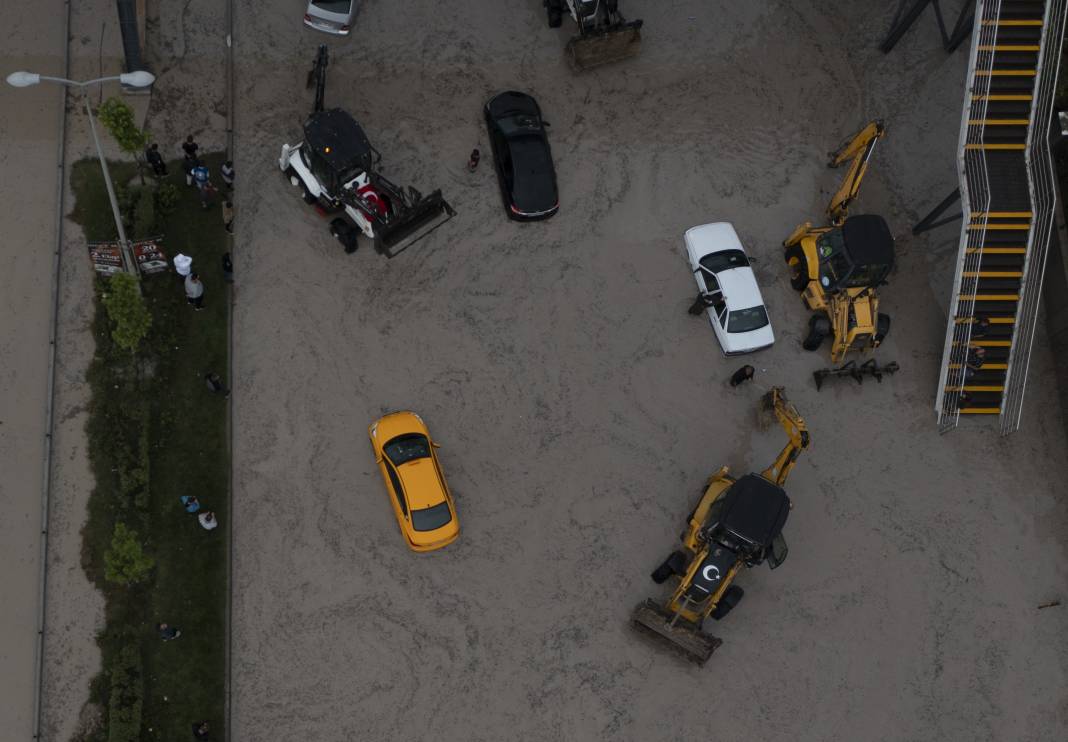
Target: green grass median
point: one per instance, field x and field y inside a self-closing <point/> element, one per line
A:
<point x="156" y="432"/>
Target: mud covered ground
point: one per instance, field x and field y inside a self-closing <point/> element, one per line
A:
<point x="581" y="408"/>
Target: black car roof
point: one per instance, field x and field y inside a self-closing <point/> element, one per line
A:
<point x="337" y="139"/>
<point x="755" y="509"/>
<point x="868" y="240"/>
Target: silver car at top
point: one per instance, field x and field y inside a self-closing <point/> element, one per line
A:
<point x="330" y="16"/>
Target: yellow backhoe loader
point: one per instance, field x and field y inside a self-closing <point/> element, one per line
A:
<point x="736" y="523"/>
<point x="838" y="268"/>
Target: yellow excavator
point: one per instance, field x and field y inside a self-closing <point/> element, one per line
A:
<point x="838" y="268"/>
<point x="737" y="523"/>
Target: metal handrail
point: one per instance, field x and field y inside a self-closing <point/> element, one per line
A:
<point x="1042" y="187"/>
<point x="975" y="197"/>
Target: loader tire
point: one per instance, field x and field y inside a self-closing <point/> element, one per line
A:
<point x="344" y="234"/>
<point x="307" y="196"/>
<point x="819" y="327"/>
<point x="555" y="12"/>
<point x="882" y="328"/>
<point x="731" y="598"/>
<point x="795" y="259"/>
<point x="673" y="565"/>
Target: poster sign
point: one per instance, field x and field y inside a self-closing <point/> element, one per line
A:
<point x="149" y="256"/>
<point x="106" y="257"/>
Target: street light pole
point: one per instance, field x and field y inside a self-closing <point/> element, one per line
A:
<point x="137" y="79"/>
<point x="127" y="259"/>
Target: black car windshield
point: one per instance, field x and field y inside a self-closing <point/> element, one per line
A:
<point x="747" y="320"/>
<point x="429" y="519"/>
<point x="530" y="155"/>
<point x="405" y="448"/>
<point x="333" y="6"/>
<point x="721" y="261"/>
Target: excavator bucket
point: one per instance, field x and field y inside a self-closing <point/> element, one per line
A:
<point x="610" y="44"/>
<point x="420" y="216"/>
<point x="651" y="618"/>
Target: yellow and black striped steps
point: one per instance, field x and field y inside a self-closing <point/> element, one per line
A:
<point x="993" y="283"/>
<point x="1010" y="65"/>
<point x="999" y="118"/>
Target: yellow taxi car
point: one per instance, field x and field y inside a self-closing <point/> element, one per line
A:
<point x="421" y="500"/>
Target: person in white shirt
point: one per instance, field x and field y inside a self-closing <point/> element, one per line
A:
<point x="207" y="520"/>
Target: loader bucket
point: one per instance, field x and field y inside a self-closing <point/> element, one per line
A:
<point x="689" y="641"/>
<point x="416" y="222"/>
<point x="602" y="47"/>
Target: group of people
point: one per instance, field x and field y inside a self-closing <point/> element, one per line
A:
<point x="194" y="287"/>
<point x="197" y="173"/>
<point x="206" y="518"/>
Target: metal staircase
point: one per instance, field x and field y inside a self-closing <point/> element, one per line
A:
<point x="1007" y="192"/>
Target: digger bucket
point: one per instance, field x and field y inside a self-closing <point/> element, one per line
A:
<point x="602" y="47"/>
<point x="416" y="222"/>
<point x="651" y="618"/>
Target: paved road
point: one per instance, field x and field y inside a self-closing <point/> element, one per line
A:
<point x="32" y="38"/>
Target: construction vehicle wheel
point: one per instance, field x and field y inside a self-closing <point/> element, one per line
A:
<point x="555" y="11"/>
<point x="731" y="598"/>
<point x="819" y="327"/>
<point x="795" y="259"/>
<point x="308" y="197"/>
<point x="344" y="234"/>
<point x="882" y="328"/>
<point x="673" y="565"/>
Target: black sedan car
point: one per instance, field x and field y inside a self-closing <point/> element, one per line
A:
<point x="522" y="156"/>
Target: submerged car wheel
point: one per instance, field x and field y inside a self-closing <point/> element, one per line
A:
<point x="819" y="327"/>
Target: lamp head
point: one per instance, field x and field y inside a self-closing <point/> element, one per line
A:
<point x="23" y="79"/>
<point x="138" y="79"/>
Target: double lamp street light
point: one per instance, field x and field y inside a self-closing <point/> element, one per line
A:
<point x="139" y="79"/>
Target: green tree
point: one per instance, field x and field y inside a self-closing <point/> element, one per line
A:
<point x="127" y="311"/>
<point x="125" y="562"/>
<point x="118" y="119"/>
<point x="126" y="695"/>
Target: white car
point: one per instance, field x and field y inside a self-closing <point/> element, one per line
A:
<point x="330" y="16"/>
<point x="720" y="266"/>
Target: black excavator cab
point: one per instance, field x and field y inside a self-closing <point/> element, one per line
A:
<point x="337" y="149"/>
<point x="747" y="520"/>
<point x="859" y="254"/>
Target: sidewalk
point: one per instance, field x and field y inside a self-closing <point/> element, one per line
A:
<point x="29" y="127"/>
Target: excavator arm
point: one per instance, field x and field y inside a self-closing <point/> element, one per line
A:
<point x="859" y="149"/>
<point x="790" y="419"/>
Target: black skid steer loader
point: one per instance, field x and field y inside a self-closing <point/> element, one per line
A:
<point x="604" y="35"/>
